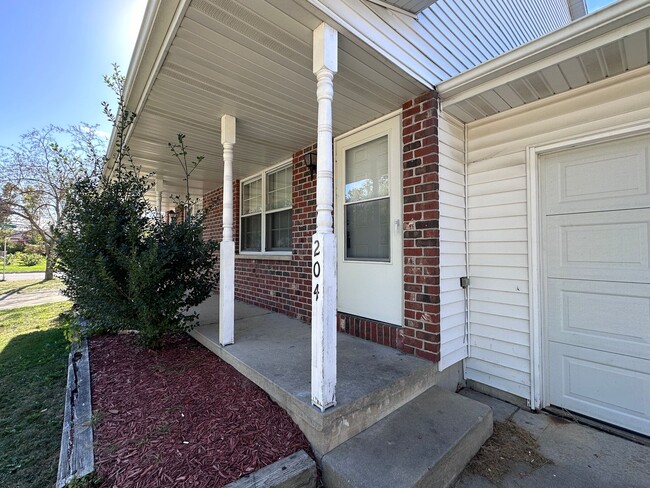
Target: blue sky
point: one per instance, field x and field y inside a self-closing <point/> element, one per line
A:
<point x="54" y="54"/>
<point x="596" y="4"/>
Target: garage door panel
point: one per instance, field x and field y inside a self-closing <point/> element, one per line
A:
<point x="608" y="246"/>
<point x="602" y="316"/>
<point x="596" y="259"/>
<point x="609" y="387"/>
<point x="599" y="177"/>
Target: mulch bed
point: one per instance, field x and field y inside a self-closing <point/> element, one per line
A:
<point x="180" y="417"/>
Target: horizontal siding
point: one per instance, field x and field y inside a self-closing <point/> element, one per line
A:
<point x="497" y="216"/>
<point x="453" y="263"/>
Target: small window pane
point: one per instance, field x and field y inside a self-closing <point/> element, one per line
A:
<point x="366" y="171"/>
<point x="367" y="230"/>
<point x="251" y="233"/>
<point x="278" y="189"/>
<point x="278" y="231"/>
<point x="252" y="197"/>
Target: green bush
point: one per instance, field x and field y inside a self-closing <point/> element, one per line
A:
<point x="125" y="268"/>
<point x="24" y="259"/>
<point x="13" y="247"/>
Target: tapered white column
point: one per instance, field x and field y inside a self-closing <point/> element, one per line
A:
<point x="159" y="194"/>
<point x="227" y="247"/>
<point x="323" y="318"/>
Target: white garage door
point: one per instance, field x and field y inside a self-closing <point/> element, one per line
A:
<point x="596" y="229"/>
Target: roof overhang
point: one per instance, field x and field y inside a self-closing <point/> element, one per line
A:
<point x="606" y="43"/>
<point x="408" y="7"/>
<point x="197" y="60"/>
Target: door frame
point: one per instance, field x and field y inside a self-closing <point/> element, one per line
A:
<point x="538" y="398"/>
<point x="397" y="259"/>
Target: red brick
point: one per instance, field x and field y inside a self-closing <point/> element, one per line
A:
<point x="285" y="286"/>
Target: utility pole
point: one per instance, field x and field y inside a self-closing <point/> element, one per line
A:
<point x="4" y="253"/>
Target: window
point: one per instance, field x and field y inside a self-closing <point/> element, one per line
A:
<point x="266" y="212"/>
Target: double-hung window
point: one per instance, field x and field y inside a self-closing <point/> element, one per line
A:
<point x="266" y="211"/>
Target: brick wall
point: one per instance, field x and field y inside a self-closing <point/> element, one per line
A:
<point x="276" y="284"/>
<point x="421" y="227"/>
<point x="285" y="285"/>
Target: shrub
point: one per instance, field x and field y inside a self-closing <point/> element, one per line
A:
<point x="36" y="248"/>
<point x="123" y="266"/>
<point x="13" y="247"/>
<point x="24" y="259"/>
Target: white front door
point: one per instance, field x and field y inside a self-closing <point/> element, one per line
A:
<point x="368" y="222"/>
<point x="596" y="203"/>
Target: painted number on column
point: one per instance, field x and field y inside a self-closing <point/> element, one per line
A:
<point x="316" y="267"/>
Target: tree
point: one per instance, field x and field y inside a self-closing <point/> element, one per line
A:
<point x="123" y="266"/>
<point x="36" y="174"/>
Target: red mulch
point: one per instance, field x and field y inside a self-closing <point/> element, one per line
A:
<point x="180" y="417"/>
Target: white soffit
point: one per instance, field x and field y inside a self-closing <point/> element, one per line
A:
<point x="604" y="44"/>
<point x="251" y="59"/>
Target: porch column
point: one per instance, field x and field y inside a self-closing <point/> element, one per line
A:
<point x="159" y="194"/>
<point x="227" y="247"/>
<point x="323" y="318"/>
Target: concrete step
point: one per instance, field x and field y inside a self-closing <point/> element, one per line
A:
<point x="274" y="351"/>
<point x="426" y="442"/>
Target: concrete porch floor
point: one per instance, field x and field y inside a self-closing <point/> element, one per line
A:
<point x="274" y="351"/>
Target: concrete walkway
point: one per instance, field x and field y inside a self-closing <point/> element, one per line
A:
<point x="23" y="276"/>
<point x="583" y="457"/>
<point x="16" y="300"/>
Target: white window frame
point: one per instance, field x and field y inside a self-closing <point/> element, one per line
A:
<point x="263" y="177"/>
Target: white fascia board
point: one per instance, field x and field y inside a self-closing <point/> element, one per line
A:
<point x="595" y="30"/>
<point x="367" y="26"/>
<point x="159" y="25"/>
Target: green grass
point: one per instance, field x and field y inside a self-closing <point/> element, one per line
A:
<point x="33" y="371"/>
<point x="19" y="268"/>
<point x="29" y="286"/>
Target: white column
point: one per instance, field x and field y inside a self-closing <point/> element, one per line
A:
<point x="323" y="319"/>
<point x="227" y="248"/>
<point x="159" y="194"/>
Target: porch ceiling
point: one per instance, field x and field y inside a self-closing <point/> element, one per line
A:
<point x="604" y="44"/>
<point x="251" y="59"/>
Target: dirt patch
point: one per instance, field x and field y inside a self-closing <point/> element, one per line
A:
<point x="508" y="446"/>
<point x="180" y="417"/>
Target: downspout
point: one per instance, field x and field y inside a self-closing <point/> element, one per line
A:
<point x="466" y="289"/>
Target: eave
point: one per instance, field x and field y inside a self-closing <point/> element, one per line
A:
<point x="198" y="60"/>
<point x="606" y="43"/>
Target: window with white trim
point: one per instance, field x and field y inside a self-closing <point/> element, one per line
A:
<point x="265" y="222"/>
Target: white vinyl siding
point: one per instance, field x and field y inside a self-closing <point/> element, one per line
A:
<point x="455" y="35"/>
<point x="453" y="346"/>
<point x="500" y="338"/>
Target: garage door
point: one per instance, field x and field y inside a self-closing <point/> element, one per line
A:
<point x="596" y="230"/>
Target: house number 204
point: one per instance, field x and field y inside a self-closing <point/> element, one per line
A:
<point x="316" y="267"/>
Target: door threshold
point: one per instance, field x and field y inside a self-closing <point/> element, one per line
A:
<point x="598" y="424"/>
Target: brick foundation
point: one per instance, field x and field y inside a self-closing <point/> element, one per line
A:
<point x="284" y="285"/>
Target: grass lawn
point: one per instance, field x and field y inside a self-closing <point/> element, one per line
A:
<point x="18" y="268"/>
<point x="29" y="286"/>
<point x="33" y="364"/>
